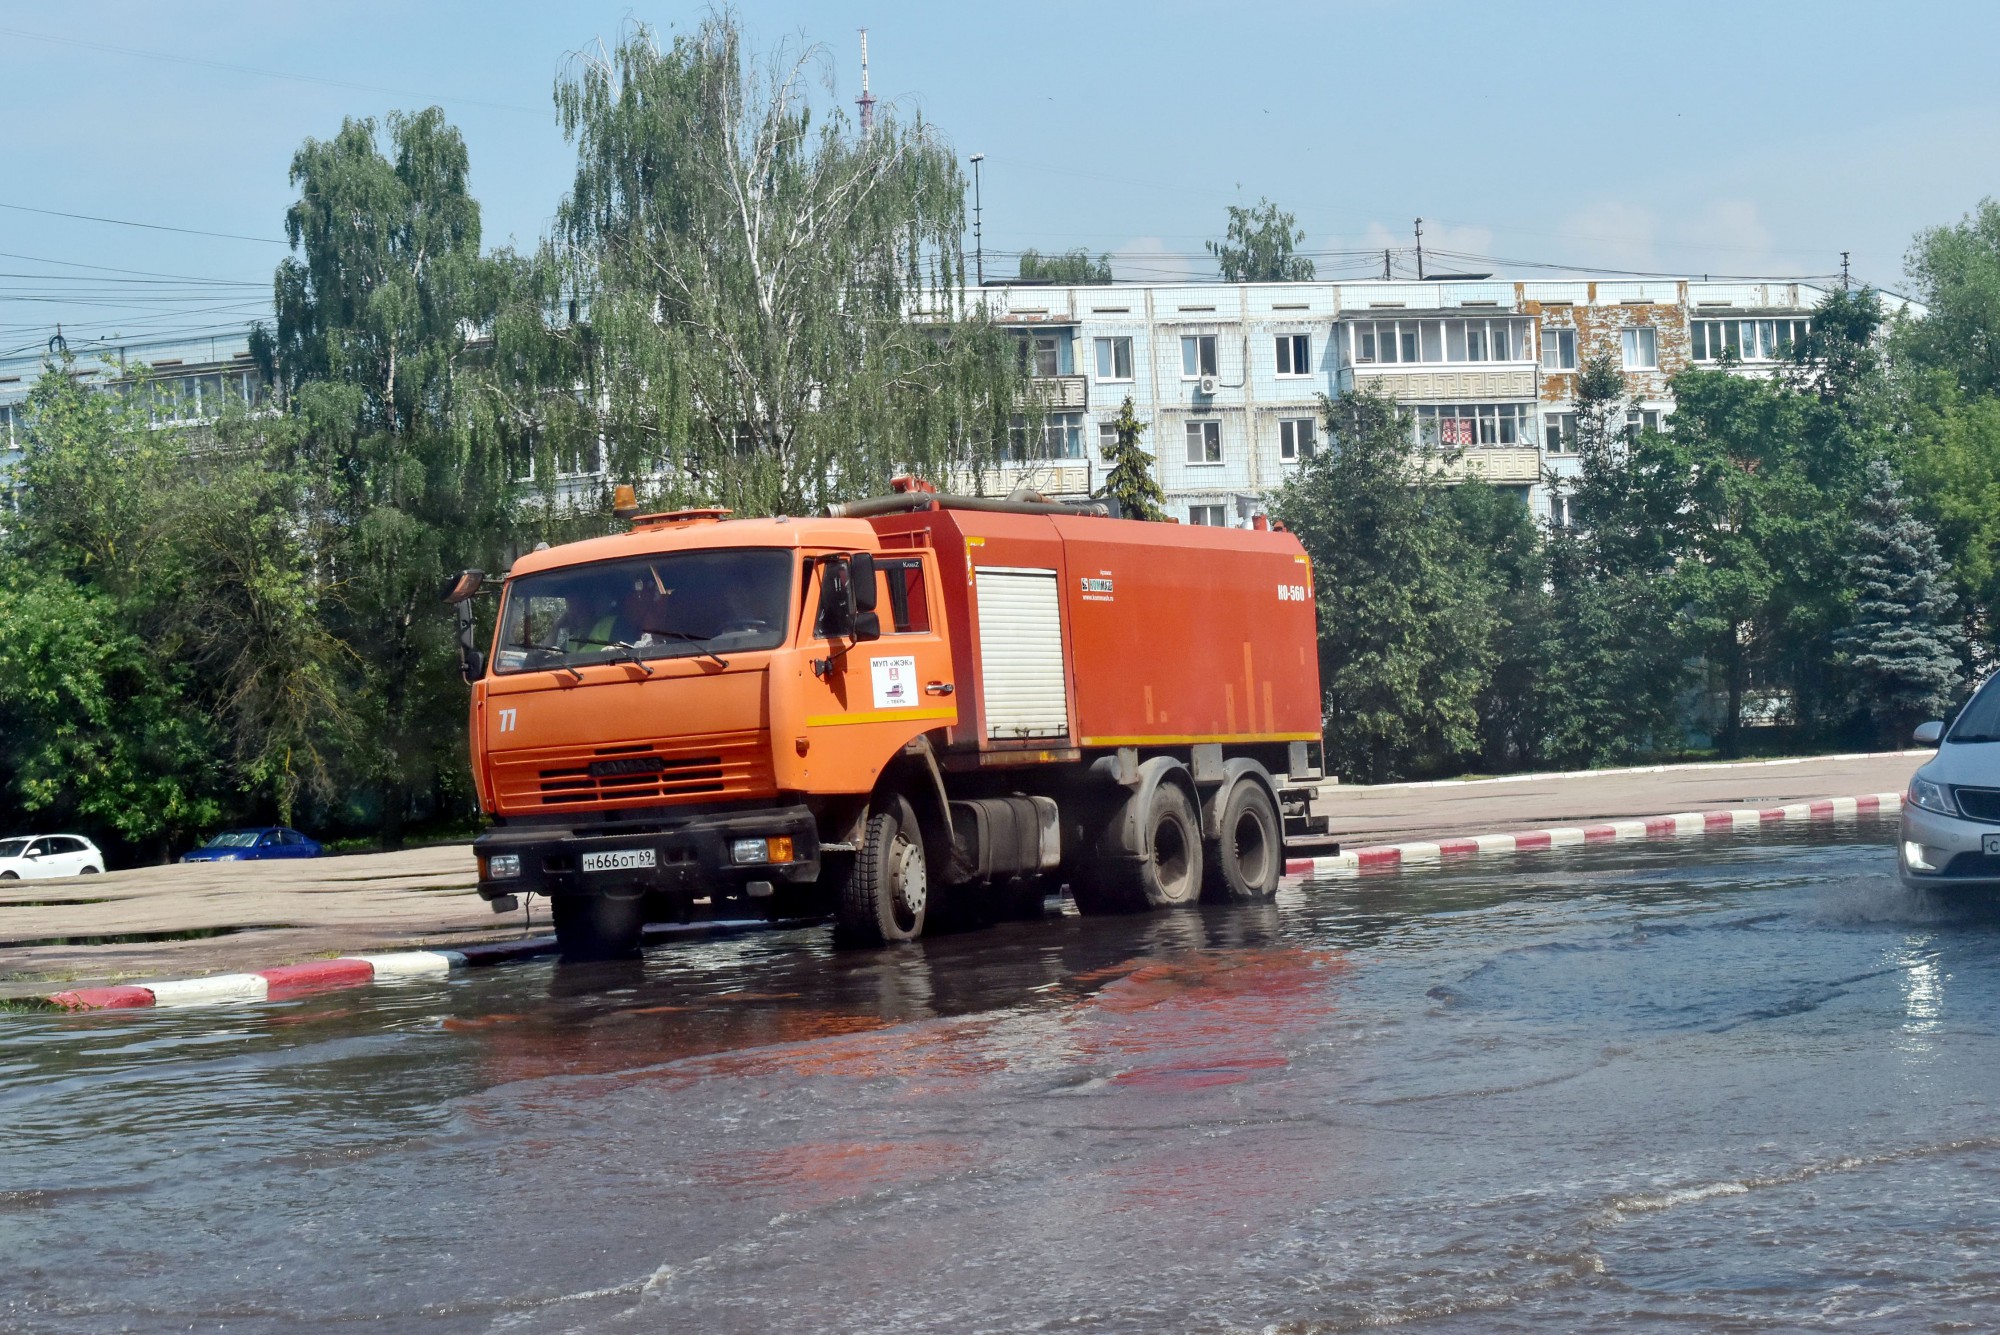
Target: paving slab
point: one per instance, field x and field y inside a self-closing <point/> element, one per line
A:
<point x="191" y="920"/>
<point x="1398" y="813"/>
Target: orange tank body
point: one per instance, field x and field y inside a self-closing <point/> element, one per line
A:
<point x="1171" y="634"/>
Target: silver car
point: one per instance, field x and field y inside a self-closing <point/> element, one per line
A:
<point x="1951" y="815"/>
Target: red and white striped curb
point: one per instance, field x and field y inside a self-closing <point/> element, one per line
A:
<point x="1681" y="825"/>
<point x="289" y="980"/>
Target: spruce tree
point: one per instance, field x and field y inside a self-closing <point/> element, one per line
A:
<point x="1131" y="481"/>
<point x="1903" y="643"/>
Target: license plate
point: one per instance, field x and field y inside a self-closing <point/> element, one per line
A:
<point x="622" y="859"/>
<point x="1992" y="842"/>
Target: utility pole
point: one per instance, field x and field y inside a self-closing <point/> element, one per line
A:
<point x="867" y="99"/>
<point x="1385" y="263"/>
<point x="1420" y="250"/>
<point x="978" y="237"/>
<point x="1843" y="271"/>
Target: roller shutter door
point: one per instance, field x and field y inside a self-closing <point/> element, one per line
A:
<point x="1021" y="654"/>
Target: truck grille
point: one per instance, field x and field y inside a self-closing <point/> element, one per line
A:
<point x="1979" y="803"/>
<point x="666" y="771"/>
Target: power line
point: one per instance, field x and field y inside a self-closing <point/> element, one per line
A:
<point x="261" y="73"/>
<point x="106" y="268"/>
<point x="151" y="227"/>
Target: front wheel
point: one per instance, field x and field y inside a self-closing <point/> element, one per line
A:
<point x="9" y="876"/>
<point x="887" y="893"/>
<point x="598" y="927"/>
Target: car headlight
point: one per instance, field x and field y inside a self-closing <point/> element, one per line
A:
<point x="1931" y="797"/>
<point x="503" y="866"/>
<point x="746" y="850"/>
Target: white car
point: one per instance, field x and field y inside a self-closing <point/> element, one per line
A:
<point x="1951" y="818"/>
<point x="37" y="857"/>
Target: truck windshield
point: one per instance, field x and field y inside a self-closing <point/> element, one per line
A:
<point x="669" y="606"/>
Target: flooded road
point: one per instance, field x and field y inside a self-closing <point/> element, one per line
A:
<point x="1740" y="1085"/>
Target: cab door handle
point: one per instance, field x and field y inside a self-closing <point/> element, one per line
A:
<point x="938" y="688"/>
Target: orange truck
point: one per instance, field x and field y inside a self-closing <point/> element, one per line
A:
<point x="919" y="705"/>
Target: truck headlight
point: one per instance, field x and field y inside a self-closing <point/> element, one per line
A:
<point x="503" y="866"/>
<point x="746" y="850"/>
<point x="1931" y="797"/>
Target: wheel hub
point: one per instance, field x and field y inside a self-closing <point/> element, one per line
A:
<point x="908" y="879"/>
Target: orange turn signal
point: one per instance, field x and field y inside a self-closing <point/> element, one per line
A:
<point x="778" y="848"/>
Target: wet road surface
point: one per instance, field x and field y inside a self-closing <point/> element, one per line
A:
<point x="1742" y="1086"/>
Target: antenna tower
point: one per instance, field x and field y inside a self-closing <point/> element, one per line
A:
<point x="867" y="99"/>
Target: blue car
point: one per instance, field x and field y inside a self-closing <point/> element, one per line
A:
<point x="271" y="841"/>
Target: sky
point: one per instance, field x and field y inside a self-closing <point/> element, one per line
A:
<point x="1760" y="137"/>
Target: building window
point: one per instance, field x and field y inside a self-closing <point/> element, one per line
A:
<point x="1640" y="419"/>
<point x="1061" y="437"/>
<point x="1295" y="439"/>
<point x="1746" y="340"/>
<point x="1107" y="437"/>
<point x="1558" y="349"/>
<point x="1204" y="442"/>
<point x="1460" y="424"/>
<point x="1559" y="516"/>
<point x="1047" y="355"/>
<point x="1559" y="431"/>
<point x="1197" y="356"/>
<point x="1295" y="354"/>
<point x="1418" y="342"/>
<point x="1114" y="359"/>
<point x="1209" y="516"/>
<point x="1641" y="348"/>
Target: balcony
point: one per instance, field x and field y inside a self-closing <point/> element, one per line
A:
<point x="1502" y="464"/>
<point x="1058" y="393"/>
<point x="1416" y="384"/>
<point x="1051" y="477"/>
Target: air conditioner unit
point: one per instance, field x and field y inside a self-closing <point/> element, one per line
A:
<point x="1206" y="385"/>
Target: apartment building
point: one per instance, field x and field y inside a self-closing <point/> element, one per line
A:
<point x="1229" y="377"/>
<point x="190" y="380"/>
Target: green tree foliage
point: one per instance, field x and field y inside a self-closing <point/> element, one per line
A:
<point x="1404" y="610"/>
<point x="1513" y="705"/>
<point x="1131" y="482"/>
<point x="1956" y="270"/>
<point x="164" y="662"/>
<point x="395" y="432"/>
<point x="1075" y="266"/>
<point x="1903" y="643"/>
<point x="746" y="272"/>
<point x="1258" y="246"/>
<point x="1617" y="668"/>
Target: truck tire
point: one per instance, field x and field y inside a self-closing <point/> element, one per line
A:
<point x="887" y="893"/>
<point x="598" y="927"/>
<point x="1244" y="865"/>
<point x="1163" y="873"/>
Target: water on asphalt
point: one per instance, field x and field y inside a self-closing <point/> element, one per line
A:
<point x="1741" y="1085"/>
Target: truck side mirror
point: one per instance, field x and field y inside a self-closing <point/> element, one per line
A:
<point x="836" y="597"/>
<point x="861" y="573"/>
<point x="463" y="585"/>
<point x="867" y="626"/>
<point x="1927" y="734"/>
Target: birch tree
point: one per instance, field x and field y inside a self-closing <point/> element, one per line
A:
<point x="763" y="299"/>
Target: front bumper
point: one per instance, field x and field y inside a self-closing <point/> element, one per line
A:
<point x="1955" y="849"/>
<point x="691" y="855"/>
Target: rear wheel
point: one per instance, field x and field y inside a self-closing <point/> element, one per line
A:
<point x="1245" y="863"/>
<point x="598" y="927"/>
<point x="9" y="876"/>
<point x="1163" y="872"/>
<point x="91" y="871"/>
<point x="887" y="894"/>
